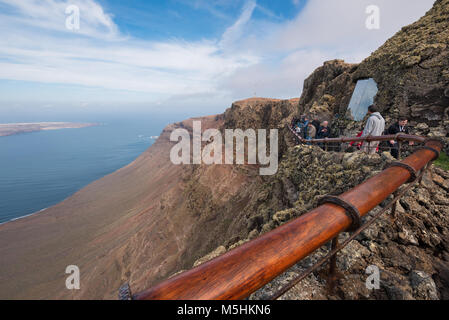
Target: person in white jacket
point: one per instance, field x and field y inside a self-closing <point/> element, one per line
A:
<point x="375" y="126"/>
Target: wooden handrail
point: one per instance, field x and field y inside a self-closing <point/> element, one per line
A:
<point x="242" y="271"/>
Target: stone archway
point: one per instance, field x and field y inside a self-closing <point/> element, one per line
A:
<point x="362" y="97"/>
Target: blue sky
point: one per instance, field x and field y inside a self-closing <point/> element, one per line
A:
<point x="198" y="55"/>
<point x="191" y="20"/>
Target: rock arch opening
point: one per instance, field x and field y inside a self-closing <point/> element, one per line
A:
<point x="362" y="98"/>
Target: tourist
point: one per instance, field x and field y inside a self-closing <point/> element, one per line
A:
<point x="302" y="126"/>
<point x="316" y="123"/>
<point x="399" y="127"/>
<point x="324" y="131"/>
<point x="375" y="126"/>
<point x="310" y="132"/>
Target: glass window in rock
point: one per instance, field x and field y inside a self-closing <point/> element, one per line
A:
<point x="362" y="98"/>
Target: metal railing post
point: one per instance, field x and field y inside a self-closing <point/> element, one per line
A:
<point x="332" y="278"/>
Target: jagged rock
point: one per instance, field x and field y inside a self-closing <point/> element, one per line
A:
<point x="308" y="289"/>
<point x="352" y="254"/>
<point x="328" y="87"/>
<point x="423" y="286"/>
<point x="411" y="72"/>
<point x="407" y="237"/>
<point x="353" y="287"/>
<point x="396" y="286"/>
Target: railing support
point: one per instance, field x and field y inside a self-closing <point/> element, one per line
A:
<point x="394" y="207"/>
<point x="332" y="278"/>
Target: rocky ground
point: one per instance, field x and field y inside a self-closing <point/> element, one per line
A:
<point x="411" y="251"/>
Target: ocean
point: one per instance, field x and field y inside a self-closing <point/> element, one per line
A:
<point x="41" y="169"/>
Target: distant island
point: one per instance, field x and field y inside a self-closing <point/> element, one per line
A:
<point x="9" y="129"/>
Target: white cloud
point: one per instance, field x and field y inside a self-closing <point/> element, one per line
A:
<point x="323" y="30"/>
<point x="252" y="56"/>
<point x="236" y="31"/>
<point x="158" y="68"/>
<point x="50" y="15"/>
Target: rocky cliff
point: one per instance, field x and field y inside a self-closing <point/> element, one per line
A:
<point x="412" y="250"/>
<point x="410" y="69"/>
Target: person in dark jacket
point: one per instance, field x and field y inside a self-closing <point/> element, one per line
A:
<point x="399" y="127"/>
<point x="294" y="122"/>
<point x="316" y="123"/>
<point x="324" y="131"/>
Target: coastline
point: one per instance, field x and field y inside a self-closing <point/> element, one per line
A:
<point x="22" y="217"/>
<point x="9" y="129"/>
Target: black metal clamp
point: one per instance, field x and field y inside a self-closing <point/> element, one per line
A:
<point x="351" y="211"/>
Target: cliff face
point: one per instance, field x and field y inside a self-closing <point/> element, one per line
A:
<point x="327" y="91"/>
<point x="412" y="71"/>
<point x="110" y="230"/>
<point x="142" y="223"/>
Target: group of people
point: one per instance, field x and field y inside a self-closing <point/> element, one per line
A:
<point x="375" y="126"/>
<point x="310" y="129"/>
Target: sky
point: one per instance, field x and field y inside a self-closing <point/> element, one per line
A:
<point x="183" y="56"/>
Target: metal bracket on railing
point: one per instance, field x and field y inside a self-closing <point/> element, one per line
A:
<point x="354" y="214"/>
<point x="410" y="169"/>
<point x="351" y="211"/>
<point x="437" y="153"/>
<point x="124" y="292"/>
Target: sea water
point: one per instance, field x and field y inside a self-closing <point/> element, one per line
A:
<point x="41" y="169"/>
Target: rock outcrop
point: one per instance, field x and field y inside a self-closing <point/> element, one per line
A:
<point x="410" y="69"/>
